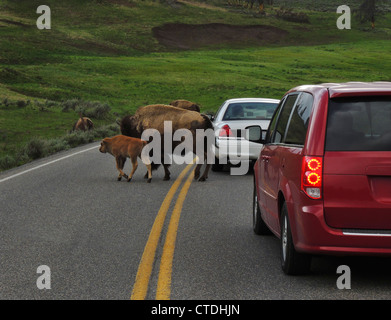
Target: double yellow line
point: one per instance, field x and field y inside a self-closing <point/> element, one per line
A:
<point x="144" y="271"/>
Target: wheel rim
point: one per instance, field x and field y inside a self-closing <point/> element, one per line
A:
<point x="284" y="237"/>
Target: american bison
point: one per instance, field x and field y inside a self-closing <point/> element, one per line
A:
<point x="185" y="104"/>
<point x="122" y="147"/>
<point x="155" y="116"/>
<point x="83" y="124"/>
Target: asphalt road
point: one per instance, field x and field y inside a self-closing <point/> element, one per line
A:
<point x="69" y="213"/>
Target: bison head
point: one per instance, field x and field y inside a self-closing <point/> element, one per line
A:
<point x="129" y="127"/>
<point x="103" y="146"/>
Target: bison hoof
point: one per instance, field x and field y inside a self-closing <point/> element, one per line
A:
<point x="202" y="179"/>
<point x="149" y="180"/>
<point x="166" y="178"/>
<point x="119" y="178"/>
<point x="129" y="179"/>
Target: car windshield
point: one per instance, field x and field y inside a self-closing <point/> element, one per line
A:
<point x="250" y="111"/>
<point x="359" y="124"/>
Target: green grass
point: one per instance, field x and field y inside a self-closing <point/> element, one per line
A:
<point x="100" y="51"/>
<point x="205" y="76"/>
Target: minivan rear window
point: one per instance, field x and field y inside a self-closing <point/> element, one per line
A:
<point x="359" y="124"/>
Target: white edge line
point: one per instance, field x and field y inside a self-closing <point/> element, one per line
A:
<point x="45" y="164"/>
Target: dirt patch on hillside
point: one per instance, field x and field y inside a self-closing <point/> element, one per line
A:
<point x="193" y="36"/>
<point x="125" y="3"/>
<point x="15" y="23"/>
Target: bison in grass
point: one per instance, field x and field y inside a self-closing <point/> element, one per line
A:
<point x="83" y="124"/>
<point x="185" y="104"/>
<point x="154" y="117"/>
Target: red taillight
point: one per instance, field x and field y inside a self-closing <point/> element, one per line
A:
<point x="311" y="177"/>
<point x="225" y="131"/>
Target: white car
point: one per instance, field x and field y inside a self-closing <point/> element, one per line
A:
<point x="230" y="123"/>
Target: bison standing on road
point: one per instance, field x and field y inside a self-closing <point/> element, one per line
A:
<point x="154" y="116"/>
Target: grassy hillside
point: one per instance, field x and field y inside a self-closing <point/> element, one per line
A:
<point x="122" y="54"/>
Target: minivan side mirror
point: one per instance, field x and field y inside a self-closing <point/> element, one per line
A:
<point x="255" y="134"/>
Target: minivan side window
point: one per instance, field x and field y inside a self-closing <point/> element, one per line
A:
<point x="359" y="124"/>
<point x="283" y="119"/>
<point x="273" y="122"/>
<point x="298" y="125"/>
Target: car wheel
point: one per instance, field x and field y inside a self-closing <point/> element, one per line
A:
<point x="217" y="166"/>
<point x="292" y="262"/>
<point x="259" y="226"/>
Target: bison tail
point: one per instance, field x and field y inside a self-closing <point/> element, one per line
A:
<point x="208" y="122"/>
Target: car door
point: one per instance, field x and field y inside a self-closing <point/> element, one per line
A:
<point x="270" y="158"/>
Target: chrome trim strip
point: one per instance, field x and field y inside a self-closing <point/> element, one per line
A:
<point x="369" y="234"/>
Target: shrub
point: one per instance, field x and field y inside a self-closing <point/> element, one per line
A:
<point x="35" y="148"/>
<point x="50" y="103"/>
<point x="289" y="15"/>
<point x="77" y="138"/>
<point x="56" y="145"/>
<point x="70" y="105"/>
<point x="107" y="131"/>
<point x="7" y="162"/>
<point x="21" y="103"/>
<point x="100" y="111"/>
<point x="91" y="109"/>
<point x="95" y="110"/>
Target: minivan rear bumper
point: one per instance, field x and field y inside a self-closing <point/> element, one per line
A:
<point x="312" y="235"/>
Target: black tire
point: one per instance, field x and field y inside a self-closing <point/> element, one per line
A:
<point x="217" y="166"/>
<point x="292" y="262"/>
<point x="259" y="226"/>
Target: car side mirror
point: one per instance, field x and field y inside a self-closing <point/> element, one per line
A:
<point x="255" y="134"/>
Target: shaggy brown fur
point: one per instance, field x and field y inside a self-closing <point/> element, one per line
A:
<point x="185" y="104"/>
<point x="153" y="117"/>
<point x="122" y="147"/>
<point x="83" y="124"/>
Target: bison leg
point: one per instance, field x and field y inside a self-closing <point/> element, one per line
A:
<point x="205" y="174"/>
<point x="154" y="166"/>
<point x="134" y="167"/>
<point x="149" y="173"/>
<point x="120" y="161"/>
<point x="197" y="171"/>
<point x="166" y="172"/>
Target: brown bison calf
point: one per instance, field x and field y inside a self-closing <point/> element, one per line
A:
<point x="122" y="147"/>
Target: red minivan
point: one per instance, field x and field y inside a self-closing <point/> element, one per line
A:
<point x="322" y="182"/>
